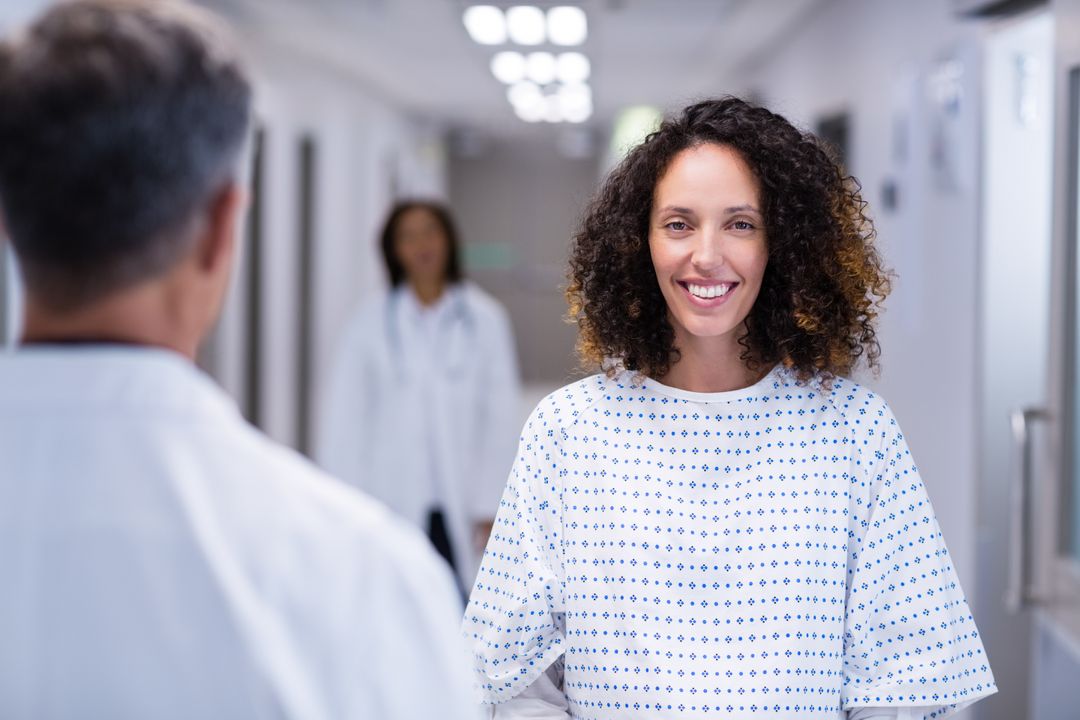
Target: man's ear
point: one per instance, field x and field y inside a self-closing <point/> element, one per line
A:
<point x="218" y="241"/>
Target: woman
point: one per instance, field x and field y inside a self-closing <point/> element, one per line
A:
<point x="721" y="525"/>
<point x="421" y="407"/>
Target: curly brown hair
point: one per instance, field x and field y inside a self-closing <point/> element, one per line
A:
<point x="824" y="281"/>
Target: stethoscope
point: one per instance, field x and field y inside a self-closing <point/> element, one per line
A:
<point x="453" y="358"/>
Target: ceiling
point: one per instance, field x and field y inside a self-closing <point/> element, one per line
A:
<point x="417" y="52"/>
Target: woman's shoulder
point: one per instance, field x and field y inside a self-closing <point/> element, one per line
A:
<point x="858" y="407"/>
<point x="848" y="394"/>
<point x="567" y="405"/>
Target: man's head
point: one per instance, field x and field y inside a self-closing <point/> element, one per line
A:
<point x="121" y="129"/>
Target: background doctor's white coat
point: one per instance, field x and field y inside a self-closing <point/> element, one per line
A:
<point x="402" y="404"/>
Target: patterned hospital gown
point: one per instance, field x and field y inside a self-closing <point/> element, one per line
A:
<point x="763" y="553"/>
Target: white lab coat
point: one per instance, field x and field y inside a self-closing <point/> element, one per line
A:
<point x="162" y="559"/>
<point x="423" y="417"/>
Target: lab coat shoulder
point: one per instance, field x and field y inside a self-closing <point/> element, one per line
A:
<point x="361" y="588"/>
<point x="482" y="302"/>
<point x="490" y="313"/>
<point x="310" y="507"/>
<point x="333" y="507"/>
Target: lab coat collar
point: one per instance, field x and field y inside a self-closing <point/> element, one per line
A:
<point x="118" y="377"/>
<point x="414" y="309"/>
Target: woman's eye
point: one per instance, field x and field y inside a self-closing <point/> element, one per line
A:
<point x="742" y="225"/>
<point x="676" y="225"/>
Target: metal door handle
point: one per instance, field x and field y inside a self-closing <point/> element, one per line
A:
<point x="1021" y="592"/>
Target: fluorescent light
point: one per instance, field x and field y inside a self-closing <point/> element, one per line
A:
<point x="575" y="102"/>
<point x="525" y="24"/>
<point x="567" y="25"/>
<point x="578" y="93"/>
<point x="572" y="67"/>
<point x="528" y="101"/>
<point x="553" y="111"/>
<point x="524" y="94"/>
<point x="540" y="67"/>
<point x="486" y="24"/>
<point x="508" y="67"/>
<point x="578" y="114"/>
<point x="531" y="113"/>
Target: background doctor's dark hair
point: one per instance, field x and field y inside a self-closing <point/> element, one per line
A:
<point x="817" y="306"/>
<point x="119" y="121"/>
<point x="441" y="213"/>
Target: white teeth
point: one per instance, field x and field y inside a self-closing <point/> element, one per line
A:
<point x="707" y="292"/>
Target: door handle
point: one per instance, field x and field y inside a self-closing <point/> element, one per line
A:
<point x="1021" y="592"/>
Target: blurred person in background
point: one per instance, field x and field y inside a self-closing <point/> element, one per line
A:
<point x="160" y="557"/>
<point x="421" y="407"/>
<point x="722" y="524"/>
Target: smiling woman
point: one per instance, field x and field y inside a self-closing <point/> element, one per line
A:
<point x="722" y="524"/>
<point x="816" y="305"/>
<point x="707" y="242"/>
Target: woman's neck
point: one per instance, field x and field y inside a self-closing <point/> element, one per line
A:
<point x="428" y="293"/>
<point x="709" y="365"/>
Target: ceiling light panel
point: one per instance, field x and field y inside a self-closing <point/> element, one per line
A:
<point x="567" y="25"/>
<point x="508" y="67"/>
<point x="524" y="94"/>
<point x="575" y="102"/>
<point x="526" y="25"/>
<point x="572" y="67"/>
<point x="540" y="67"/>
<point x="486" y="24"/>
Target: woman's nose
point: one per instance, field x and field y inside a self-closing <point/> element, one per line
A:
<point x="708" y="253"/>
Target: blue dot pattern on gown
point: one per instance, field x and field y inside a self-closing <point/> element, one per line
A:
<point x="763" y="553"/>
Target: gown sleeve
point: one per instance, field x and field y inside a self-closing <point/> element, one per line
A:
<point x="909" y="640"/>
<point x="544" y="700"/>
<point x="514" y="623"/>
<point x="893" y="713"/>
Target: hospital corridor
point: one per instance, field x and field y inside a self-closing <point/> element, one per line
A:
<point x="553" y="359"/>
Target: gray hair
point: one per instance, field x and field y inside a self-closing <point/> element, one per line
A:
<point x="119" y="121"/>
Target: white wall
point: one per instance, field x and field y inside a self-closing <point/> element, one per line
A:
<point x="882" y="62"/>
<point x="13" y="13"/>
<point x="16" y="12"/>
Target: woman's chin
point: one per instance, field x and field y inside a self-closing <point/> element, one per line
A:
<point x="704" y="330"/>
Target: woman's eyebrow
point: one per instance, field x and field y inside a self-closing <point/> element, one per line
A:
<point x="674" y="209"/>
<point x="742" y="208"/>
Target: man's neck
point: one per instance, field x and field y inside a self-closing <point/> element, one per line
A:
<point x="139" y="316"/>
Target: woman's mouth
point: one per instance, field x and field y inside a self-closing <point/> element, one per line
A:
<point x="708" y="295"/>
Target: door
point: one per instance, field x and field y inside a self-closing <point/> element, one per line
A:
<point x="1053" y="595"/>
<point x="1014" y="325"/>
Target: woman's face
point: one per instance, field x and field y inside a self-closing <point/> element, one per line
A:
<point x="707" y="240"/>
<point x="421" y="246"/>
